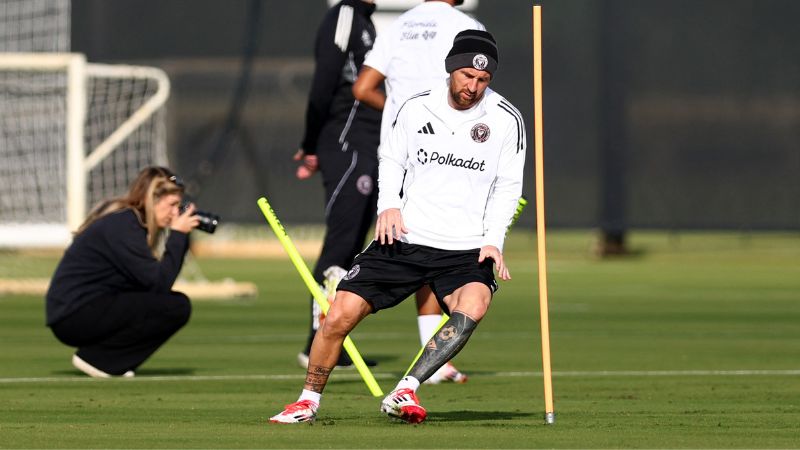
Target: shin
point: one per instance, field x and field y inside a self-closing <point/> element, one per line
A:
<point x="444" y="345"/>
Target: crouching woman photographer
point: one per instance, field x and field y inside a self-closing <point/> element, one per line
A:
<point x="111" y="295"/>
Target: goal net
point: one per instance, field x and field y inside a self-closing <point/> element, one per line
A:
<point x="71" y="134"/>
<point x="34" y="25"/>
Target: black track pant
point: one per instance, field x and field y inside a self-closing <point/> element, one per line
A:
<point x="118" y="334"/>
<point x="351" y="195"/>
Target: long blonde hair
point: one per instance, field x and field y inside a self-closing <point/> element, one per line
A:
<point x="151" y="184"/>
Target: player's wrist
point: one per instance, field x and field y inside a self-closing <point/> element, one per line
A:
<point x="497" y="245"/>
<point x="385" y="205"/>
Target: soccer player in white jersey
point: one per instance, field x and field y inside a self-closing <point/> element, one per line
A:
<point x="408" y="58"/>
<point x="460" y="181"/>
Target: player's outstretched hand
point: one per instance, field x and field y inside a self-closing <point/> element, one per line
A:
<point x="389" y="226"/>
<point x="490" y="251"/>
<point x="309" y="166"/>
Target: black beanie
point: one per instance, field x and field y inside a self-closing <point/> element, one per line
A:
<point x="472" y="48"/>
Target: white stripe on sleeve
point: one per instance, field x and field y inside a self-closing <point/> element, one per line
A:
<point x="343" y="27"/>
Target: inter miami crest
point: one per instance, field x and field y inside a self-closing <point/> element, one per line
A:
<point x="352" y="273"/>
<point x="364" y="184"/>
<point x="480" y="132"/>
<point x="480" y="61"/>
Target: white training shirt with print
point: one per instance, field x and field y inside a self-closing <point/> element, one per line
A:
<point x="460" y="172"/>
<point x="411" y="53"/>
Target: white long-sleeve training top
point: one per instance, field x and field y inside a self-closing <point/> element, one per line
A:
<point x="460" y="172"/>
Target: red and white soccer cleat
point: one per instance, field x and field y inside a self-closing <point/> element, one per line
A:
<point x="404" y="404"/>
<point x="302" y="411"/>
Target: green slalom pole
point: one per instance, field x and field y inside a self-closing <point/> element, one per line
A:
<point x="518" y="212"/>
<point x="319" y="297"/>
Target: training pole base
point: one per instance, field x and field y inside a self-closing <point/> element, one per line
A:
<point x="549" y="418"/>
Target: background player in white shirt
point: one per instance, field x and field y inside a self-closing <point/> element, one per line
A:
<point x="408" y="58"/>
<point x="460" y="184"/>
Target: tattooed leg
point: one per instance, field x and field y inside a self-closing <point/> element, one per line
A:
<point x="345" y="313"/>
<point x="317" y="378"/>
<point x="444" y="345"/>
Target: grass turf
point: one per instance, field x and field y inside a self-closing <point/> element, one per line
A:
<point x="659" y="349"/>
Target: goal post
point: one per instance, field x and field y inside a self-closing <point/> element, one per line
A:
<point x="61" y="122"/>
<point x="71" y="134"/>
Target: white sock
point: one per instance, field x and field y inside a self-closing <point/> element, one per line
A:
<point x="408" y="382"/>
<point x="315" y="397"/>
<point x="428" y="324"/>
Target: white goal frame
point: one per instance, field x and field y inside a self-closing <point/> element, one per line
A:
<point x="78" y="161"/>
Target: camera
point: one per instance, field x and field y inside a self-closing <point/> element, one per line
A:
<point x="208" y="221"/>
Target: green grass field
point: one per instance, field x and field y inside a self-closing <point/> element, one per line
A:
<point x="693" y="342"/>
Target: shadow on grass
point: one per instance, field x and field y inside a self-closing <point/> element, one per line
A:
<point x="381" y="361"/>
<point x="166" y="371"/>
<point x="140" y="372"/>
<point x="472" y="416"/>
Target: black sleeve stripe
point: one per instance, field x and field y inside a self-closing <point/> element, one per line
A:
<point x="516" y="115"/>
<point x="421" y="94"/>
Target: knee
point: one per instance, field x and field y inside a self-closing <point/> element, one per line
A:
<point x="475" y="310"/>
<point x="475" y="305"/>
<point x="337" y="325"/>
<point x="343" y="316"/>
<point x="181" y="309"/>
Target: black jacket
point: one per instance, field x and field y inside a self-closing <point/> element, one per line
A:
<point x="344" y="37"/>
<point x="109" y="257"/>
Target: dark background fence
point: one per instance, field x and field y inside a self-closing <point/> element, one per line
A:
<point x="658" y="114"/>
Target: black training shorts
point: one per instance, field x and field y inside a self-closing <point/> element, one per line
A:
<point x="385" y="275"/>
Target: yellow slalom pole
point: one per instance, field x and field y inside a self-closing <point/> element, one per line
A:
<point x="549" y="413"/>
<point x="319" y="297"/>
<point x="518" y="212"/>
